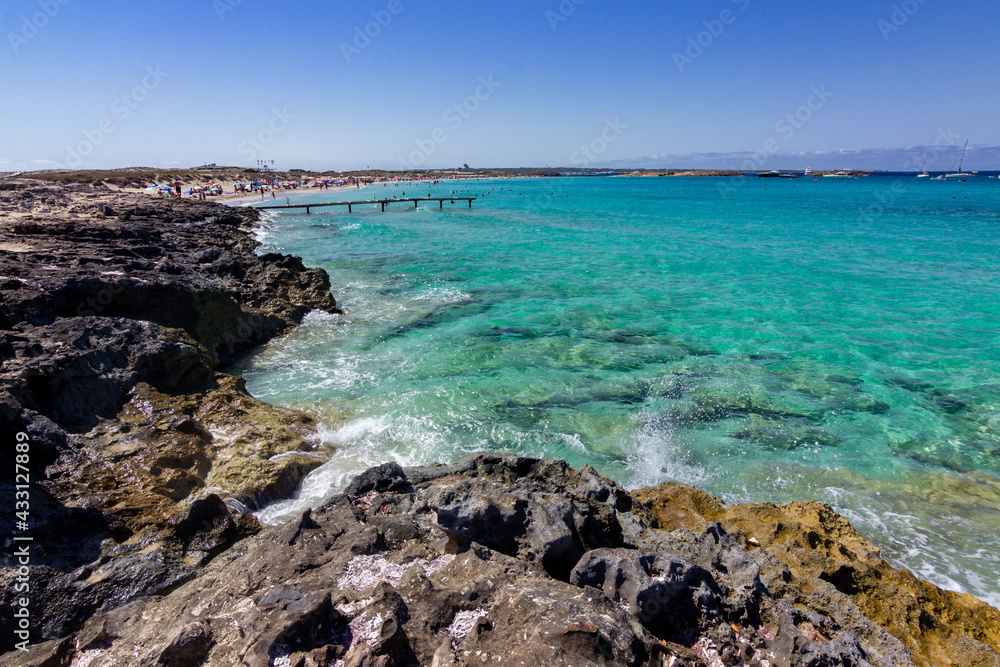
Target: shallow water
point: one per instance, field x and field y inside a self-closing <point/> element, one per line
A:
<point x="833" y="340"/>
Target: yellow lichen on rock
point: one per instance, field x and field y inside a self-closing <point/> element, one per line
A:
<point x="818" y="545"/>
<point x="165" y="450"/>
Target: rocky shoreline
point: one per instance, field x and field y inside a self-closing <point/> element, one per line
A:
<point x="120" y="314"/>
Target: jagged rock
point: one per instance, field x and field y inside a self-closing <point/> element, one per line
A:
<point x="386" y="477"/>
<point x="666" y="594"/>
<point x="466" y="586"/>
<point x="186" y="645"/>
<point x="841" y="575"/>
<point x="116" y="314"/>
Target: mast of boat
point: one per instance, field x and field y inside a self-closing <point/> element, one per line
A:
<point x="960" y="160"/>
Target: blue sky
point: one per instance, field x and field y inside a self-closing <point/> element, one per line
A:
<point x="541" y="83"/>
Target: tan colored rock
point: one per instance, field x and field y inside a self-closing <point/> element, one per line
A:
<point x="818" y="545"/>
<point x="166" y="449"/>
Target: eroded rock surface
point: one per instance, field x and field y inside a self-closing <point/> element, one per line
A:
<point x="840" y="574"/>
<point x="495" y="560"/>
<point x="118" y="313"/>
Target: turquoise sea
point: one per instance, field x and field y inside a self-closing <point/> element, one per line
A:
<point x="761" y="339"/>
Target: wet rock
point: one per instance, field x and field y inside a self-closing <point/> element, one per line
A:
<point x="205" y="527"/>
<point x="709" y="405"/>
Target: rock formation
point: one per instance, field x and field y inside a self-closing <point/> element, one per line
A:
<point x="118" y="314"/>
<point x="505" y="560"/>
<point x="119" y="317"/>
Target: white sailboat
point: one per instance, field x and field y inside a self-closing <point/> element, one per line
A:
<point x="923" y="171"/>
<point x="961" y="159"/>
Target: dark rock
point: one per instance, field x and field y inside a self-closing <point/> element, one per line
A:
<point x="205" y="527"/>
<point x="386" y="477"/>
<point x="65" y="600"/>
<point x="54" y="653"/>
<point x="116" y="313"/>
<point x="465" y="583"/>
<point x="668" y="595"/>
<point x="208" y="256"/>
<point x="185" y="646"/>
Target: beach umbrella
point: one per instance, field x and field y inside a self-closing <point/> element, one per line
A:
<point x="190" y="192"/>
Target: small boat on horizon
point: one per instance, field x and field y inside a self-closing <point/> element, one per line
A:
<point x="840" y="174"/>
<point x="959" y="173"/>
<point x="923" y="171"/>
<point x="774" y="173"/>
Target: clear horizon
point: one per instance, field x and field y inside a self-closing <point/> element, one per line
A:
<point x="564" y="83"/>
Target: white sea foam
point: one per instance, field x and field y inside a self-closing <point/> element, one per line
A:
<point x="574" y="441"/>
<point x="915" y="542"/>
<point x="657" y="457"/>
<point x="418" y="394"/>
<point x="360" y="444"/>
<point x="263" y="232"/>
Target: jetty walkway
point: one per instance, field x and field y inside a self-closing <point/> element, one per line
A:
<point x="382" y="202"/>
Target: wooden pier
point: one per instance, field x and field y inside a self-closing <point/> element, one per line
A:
<point x="382" y="202"/>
